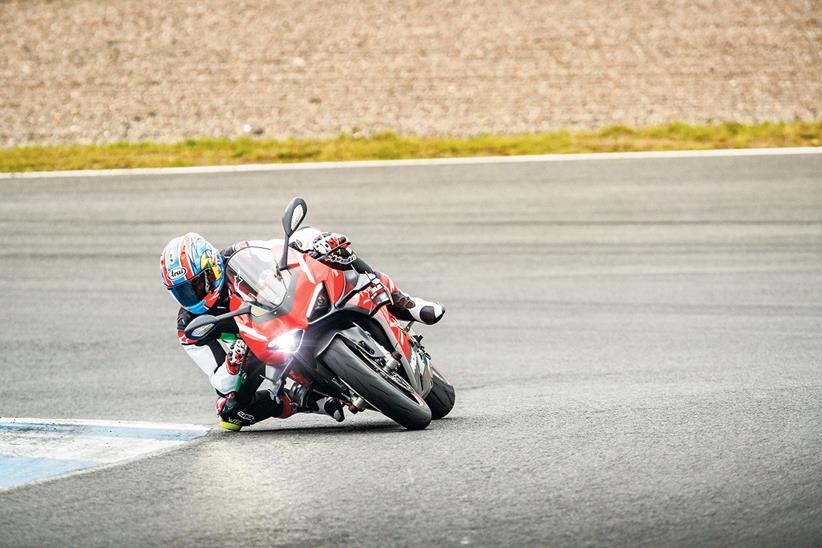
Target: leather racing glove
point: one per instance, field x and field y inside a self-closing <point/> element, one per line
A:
<point x="327" y="242"/>
<point x="236" y="357"/>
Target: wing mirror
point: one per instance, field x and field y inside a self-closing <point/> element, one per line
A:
<point x="200" y="327"/>
<point x="292" y="219"/>
<point x="294" y="215"/>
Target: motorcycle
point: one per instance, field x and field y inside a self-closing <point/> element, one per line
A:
<point x="330" y="330"/>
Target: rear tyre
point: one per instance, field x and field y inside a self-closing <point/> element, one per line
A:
<point x="441" y="397"/>
<point x="406" y="409"/>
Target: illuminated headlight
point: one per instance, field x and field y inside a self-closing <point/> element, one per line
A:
<point x="287" y="343"/>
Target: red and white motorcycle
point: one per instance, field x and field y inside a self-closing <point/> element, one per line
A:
<point x="330" y="330"/>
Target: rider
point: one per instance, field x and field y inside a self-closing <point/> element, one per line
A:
<point x="193" y="271"/>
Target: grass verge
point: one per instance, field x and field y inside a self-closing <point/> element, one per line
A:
<point x="675" y="136"/>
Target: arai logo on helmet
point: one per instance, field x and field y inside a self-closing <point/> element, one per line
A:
<point x="176" y="273"/>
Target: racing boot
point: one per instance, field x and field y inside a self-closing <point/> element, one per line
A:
<point x="263" y="405"/>
<point x="304" y="402"/>
<point x="408" y="308"/>
<point x="227" y="411"/>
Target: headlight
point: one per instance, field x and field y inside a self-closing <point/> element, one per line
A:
<point x="287" y="343"/>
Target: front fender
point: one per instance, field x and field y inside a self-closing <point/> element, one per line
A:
<point x="419" y="377"/>
<point x="356" y="335"/>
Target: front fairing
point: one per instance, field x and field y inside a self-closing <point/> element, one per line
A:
<point x="260" y="327"/>
<point x="303" y="280"/>
<point x="254" y="279"/>
<point x="348" y="291"/>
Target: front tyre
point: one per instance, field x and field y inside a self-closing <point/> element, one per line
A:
<point x="441" y="397"/>
<point x="406" y="408"/>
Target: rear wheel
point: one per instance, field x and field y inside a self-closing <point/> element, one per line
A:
<point x="383" y="391"/>
<point x="441" y="397"/>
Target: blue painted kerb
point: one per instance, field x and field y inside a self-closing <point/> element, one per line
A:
<point x="16" y="470"/>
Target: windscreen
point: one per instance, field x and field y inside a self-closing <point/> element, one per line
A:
<point x="253" y="274"/>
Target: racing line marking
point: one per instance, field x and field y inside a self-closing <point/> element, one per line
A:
<point x="33" y="450"/>
<point x="534" y="158"/>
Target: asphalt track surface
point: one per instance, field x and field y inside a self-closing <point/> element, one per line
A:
<point x="636" y="346"/>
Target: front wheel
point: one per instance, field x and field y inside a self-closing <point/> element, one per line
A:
<point x="403" y="406"/>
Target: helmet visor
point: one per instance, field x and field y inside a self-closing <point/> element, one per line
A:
<point x="194" y="290"/>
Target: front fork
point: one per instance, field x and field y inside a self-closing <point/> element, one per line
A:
<point x="279" y="374"/>
<point x="278" y="379"/>
<point x="417" y="365"/>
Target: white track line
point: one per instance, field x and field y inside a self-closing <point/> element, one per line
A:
<point x="37" y="450"/>
<point x="79" y="448"/>
<point x="196" y="428"/>
<point x="474" y="160"/>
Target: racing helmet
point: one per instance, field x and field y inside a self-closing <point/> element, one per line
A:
<point x="192" y="270"/>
